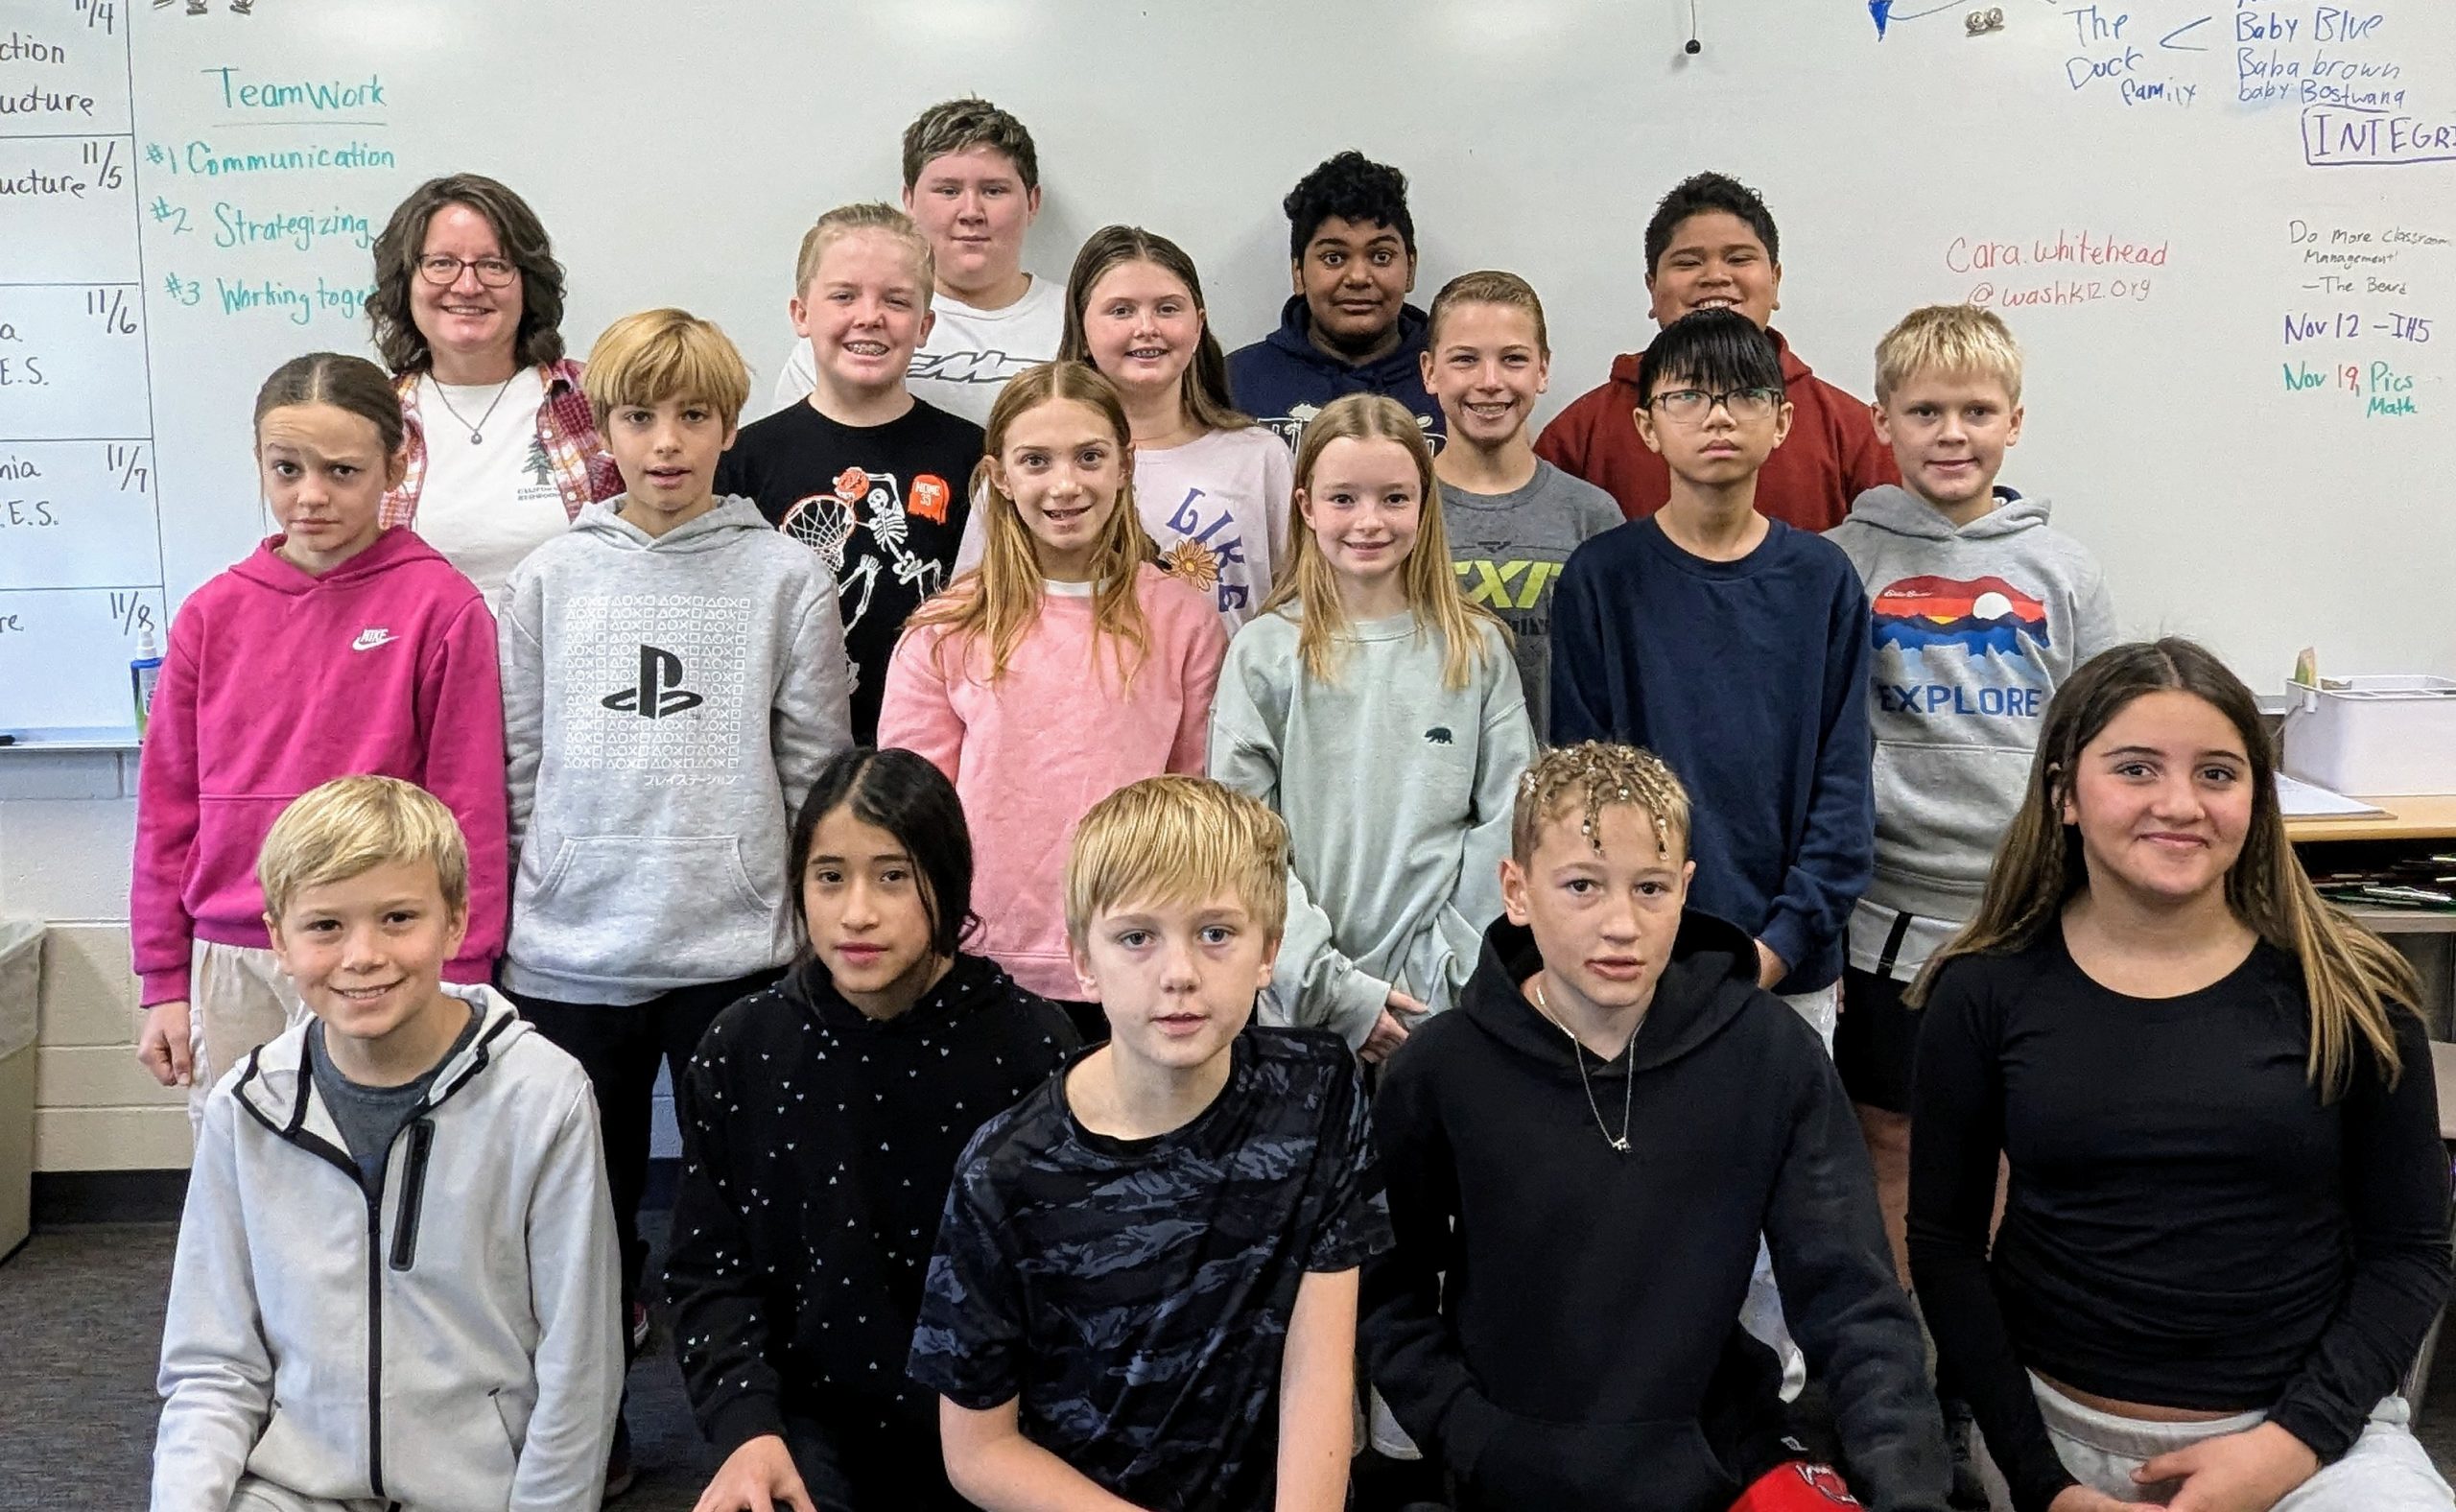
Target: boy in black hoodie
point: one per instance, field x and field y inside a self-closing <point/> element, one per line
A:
<point x="1348" y="327"/>
<point x="1554" y="1322"/>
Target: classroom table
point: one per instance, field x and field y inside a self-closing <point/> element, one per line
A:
<point x="2430" y="818"/>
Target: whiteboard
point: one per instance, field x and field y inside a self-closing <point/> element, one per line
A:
<point x="2226" y="233"/>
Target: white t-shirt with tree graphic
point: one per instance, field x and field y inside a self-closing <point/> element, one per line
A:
<point x="485" y="505"/>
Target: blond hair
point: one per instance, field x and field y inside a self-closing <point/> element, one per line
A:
<point x="998" y="601"/>
<point x="352" y="825"/>
<point x="1177" y="840"/>
<point x="1429" y="582"/>
<point x="870" y="215"/>
<point x="1597" y="774"/>
<point x="1957" y="339"/>
<point x="1488" y="286"/>
<point x="657" y="355"/>
<point x="2356" y="981"/>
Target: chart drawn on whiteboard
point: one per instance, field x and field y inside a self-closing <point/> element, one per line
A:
<point x="81" y="561"/>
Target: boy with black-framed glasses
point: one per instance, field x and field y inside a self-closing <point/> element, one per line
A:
<point x="1736" y="648"/>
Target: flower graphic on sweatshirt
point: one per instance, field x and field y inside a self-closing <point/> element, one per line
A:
<point x="1192" y="562"/>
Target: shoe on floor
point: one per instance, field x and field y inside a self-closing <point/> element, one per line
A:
<point x="618" y="1473"/>
<point x="1968" y="1493"/>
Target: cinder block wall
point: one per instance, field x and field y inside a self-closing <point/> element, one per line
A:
<point x="67" y="819"/>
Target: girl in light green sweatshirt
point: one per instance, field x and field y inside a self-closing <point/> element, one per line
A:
<point x="1380" y="713"/>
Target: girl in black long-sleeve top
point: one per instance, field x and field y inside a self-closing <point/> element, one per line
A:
<point x="822" y="1121"/>
<point x="2227" y="1229"/>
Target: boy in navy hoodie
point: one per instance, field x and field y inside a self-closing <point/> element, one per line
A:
<point x="1348" y="327"/>
<point x="1615" y="1082"/>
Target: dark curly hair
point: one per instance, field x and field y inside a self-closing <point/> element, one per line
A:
<point x="540" y="340"/>
<point x="1352" y="187"/>
<point x="1698" y="194"/>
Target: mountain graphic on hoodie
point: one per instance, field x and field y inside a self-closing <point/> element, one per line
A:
<point x="1973" y="615"/>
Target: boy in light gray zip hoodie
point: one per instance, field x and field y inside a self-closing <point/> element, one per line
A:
<point x="395" y="1282"/>
<point x="674" y="677"/>
<point x="1979" y="611"/>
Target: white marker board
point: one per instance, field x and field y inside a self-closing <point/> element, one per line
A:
<point x="2226" y="233"/>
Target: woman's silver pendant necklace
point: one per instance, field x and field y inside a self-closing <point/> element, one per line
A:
<point x="477" y="432"/>
<point x="1628" y="1085"/>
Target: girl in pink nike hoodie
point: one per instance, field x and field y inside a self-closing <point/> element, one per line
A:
<point x="339" y="647"/>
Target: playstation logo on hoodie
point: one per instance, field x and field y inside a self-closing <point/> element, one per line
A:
<point x="659" y="693"/>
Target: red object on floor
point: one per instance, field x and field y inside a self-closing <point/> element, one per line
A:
<point x="1797" y="1485"/>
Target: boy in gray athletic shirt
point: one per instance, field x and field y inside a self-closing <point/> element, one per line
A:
<point x="1513" y="518"/>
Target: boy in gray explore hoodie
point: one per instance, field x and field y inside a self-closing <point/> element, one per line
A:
<point x="674" y="677"/>
<point x="1979" y="612"/>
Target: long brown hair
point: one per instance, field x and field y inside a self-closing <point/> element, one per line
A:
<point x="1203" y="388"/>
<point x="2353" y="979"/>
<point x="1431" y="582"/>
<point x="537" y="340"/>
<point x="998" y="599"/>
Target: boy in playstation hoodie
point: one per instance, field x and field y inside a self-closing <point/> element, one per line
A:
<point x="674" y="678"/>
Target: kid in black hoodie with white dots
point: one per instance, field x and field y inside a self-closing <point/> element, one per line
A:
<point x="821" y="1122"/>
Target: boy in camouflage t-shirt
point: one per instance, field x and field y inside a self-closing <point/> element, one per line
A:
<point x="1146" y="1280"/>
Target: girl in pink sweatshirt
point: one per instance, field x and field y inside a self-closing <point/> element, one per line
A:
<point x="340" y="646"/>
<point x="1064" y="668"/>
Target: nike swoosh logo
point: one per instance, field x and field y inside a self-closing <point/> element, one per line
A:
<point x="369" y="640"/>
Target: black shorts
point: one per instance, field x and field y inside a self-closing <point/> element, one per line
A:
<point x="1876" y="1041"/>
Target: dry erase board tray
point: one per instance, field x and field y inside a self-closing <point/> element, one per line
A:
<point x="92" y="737"/>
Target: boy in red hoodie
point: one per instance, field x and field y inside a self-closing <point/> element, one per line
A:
<point x="340" y="647"/>
<point x="1713" y="243"/>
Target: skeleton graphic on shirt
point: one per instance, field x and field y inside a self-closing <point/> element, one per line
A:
<point x="827" y="523"/>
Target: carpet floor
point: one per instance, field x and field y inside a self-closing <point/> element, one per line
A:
<point x="80" y="1318"/>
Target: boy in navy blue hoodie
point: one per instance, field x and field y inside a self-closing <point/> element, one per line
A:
<point x="1348" y="327"/>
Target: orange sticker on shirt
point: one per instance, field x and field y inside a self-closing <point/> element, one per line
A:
<point x="929" y="497"/>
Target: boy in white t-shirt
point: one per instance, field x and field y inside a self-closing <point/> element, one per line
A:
<point x="972" y="181"/>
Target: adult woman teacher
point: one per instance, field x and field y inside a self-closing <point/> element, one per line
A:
<point x="467" y="313"/>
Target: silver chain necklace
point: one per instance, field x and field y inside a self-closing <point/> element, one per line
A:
<point x="1578" y="1051"/>
<point x="477" y="432"/>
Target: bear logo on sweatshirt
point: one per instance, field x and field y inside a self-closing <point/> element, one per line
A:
<point x="1439" y="735"/>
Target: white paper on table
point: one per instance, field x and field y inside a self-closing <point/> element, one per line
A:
<point x="2308" y="800"/>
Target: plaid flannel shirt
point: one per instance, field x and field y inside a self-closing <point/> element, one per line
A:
<point x="583" y="469"/>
